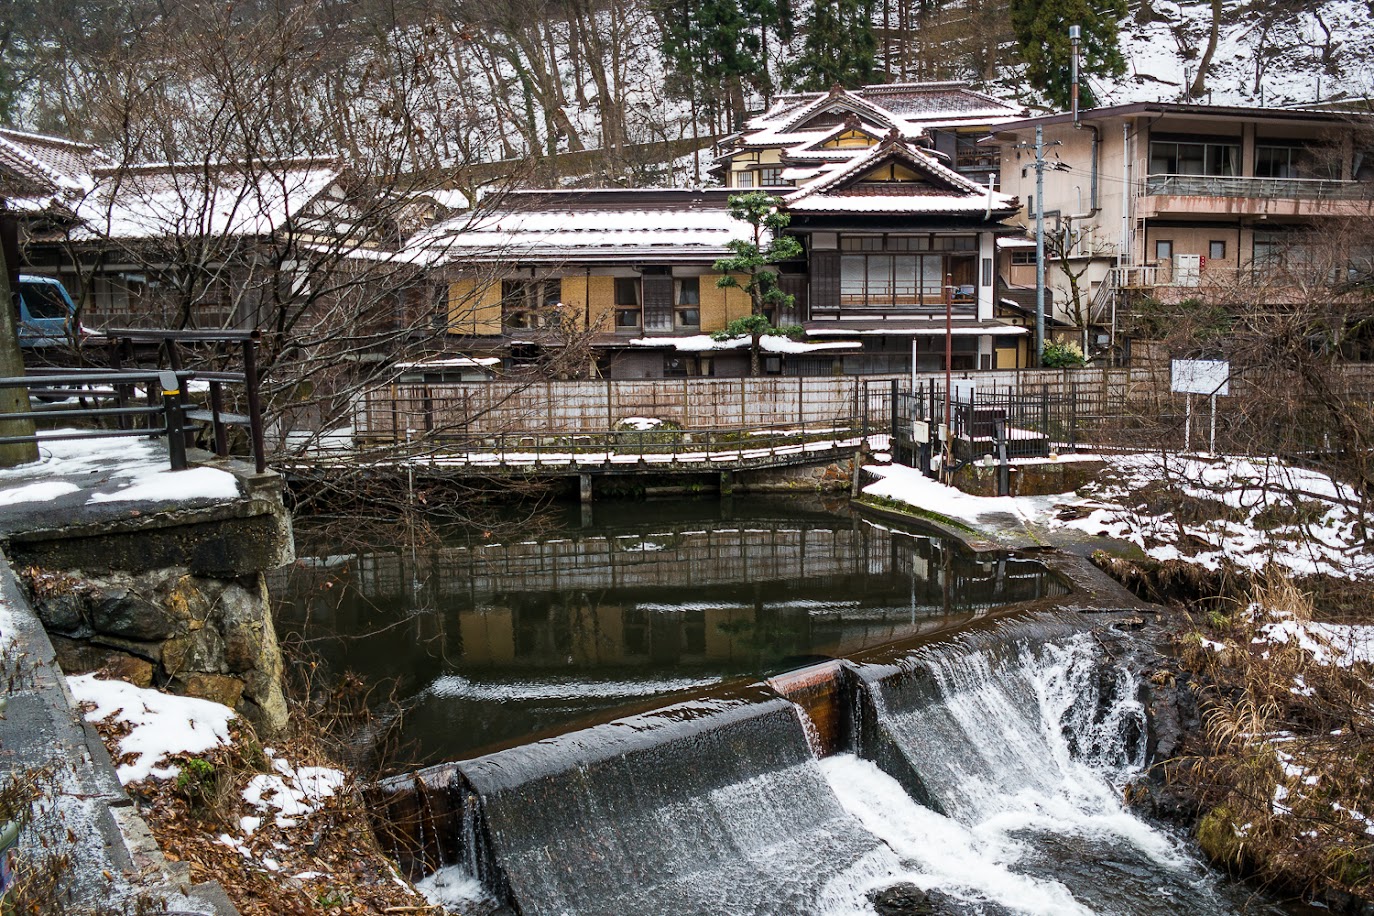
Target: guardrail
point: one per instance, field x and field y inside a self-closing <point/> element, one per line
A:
<point x="113" y="396"/>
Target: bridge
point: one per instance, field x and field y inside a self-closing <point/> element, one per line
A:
<point x="654" y="450"/>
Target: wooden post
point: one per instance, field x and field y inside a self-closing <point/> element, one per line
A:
<point x="12" y="400"/>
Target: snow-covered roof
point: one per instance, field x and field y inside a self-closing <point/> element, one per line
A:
<point x="48" y="165"/>
<point x="449" y="362"/>
<point x="911" y="109"/>
<point x="769" y="343"/>
<point x="943" y="191"/>
<point x="685" y="230"/>
<point x="216" y="200"/>
<point x="920" y="327"/>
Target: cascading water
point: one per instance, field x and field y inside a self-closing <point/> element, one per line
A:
<point x="1021" y="749"/>
<point x="1015" y="740"/>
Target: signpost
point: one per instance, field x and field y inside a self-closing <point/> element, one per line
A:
<point x="1210" y="377"/>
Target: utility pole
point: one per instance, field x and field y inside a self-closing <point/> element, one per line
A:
<point x="1039" y="165"/>
<point x="1039" y="245"/>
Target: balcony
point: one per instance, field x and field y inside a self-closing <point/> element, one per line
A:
<point x="1232" y="186"/>
<point x="1226" y="194"/>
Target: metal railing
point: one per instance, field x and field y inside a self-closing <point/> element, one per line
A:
<point x="161" y="415"/>
<point x="169" y="344"/>
<point x="1237" y="186"/>
<point x="136" y="403"/>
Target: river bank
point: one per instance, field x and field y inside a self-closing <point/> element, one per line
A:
<point x="1259" y="675"/>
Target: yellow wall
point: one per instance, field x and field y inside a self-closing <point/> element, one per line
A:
<point x="721" y="306"/>
<point x="474" y="311"/>
<point x="601" y="291"/>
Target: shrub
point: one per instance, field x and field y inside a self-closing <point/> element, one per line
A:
<point x="1062" y="355"/>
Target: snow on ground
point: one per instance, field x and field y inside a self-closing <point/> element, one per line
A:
<point x="289" y="794"/>
<point x="1336" y="644"/>
<point x="164" y="484"/>
<point x="161" y="725"/>
<point x="1247" y="512"/>
<point x="137" y="465"/>
<point x="36" y="492"/>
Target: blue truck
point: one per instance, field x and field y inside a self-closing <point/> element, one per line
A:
<point x="46" y="313"/>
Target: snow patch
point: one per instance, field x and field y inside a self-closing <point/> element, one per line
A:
<point x="162" y="725"/>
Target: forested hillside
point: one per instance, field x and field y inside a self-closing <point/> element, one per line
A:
<point x="425" y="85"/>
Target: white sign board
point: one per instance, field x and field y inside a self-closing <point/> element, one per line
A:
<point x="1201" y="376"/>
<point x="963" y="391"/>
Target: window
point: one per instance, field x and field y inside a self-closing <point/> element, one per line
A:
<point x="1216" y="251"/>
<point x="744" y="179"/>
<point x="888" y="271"/>
<point x="1293" y="161"/>
<point x="1023" y="257"/>
<point x="627" y="306"/>
<point x="1164" y="249"/>
<point x="687" y="303"/>
<point x="771" y="177"/>
<point x="529" y="303"/>
<point x="1213" y="157"/>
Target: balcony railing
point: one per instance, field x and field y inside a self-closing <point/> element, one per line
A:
<point x="1233" y="186"/>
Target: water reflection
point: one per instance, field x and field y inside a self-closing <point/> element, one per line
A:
<point x="495" y="642"/>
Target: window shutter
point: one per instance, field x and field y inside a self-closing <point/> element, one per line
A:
<point x="658" y="303"/>
<point x="825" y="281"/>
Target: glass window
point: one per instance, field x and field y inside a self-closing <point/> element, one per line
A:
<point x="771" y="177"/>
<point x="1164" y="249"/>
<point x="744" y="179"/>
<point x="627" y="310"/>
<point x="687" y="302"/>
<point x="1216" y="251"/>
<point x="1217" y="158"/>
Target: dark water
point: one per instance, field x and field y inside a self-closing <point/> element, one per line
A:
<point x="492" y="643"/>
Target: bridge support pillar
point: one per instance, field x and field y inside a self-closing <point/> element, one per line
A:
<point x="584" y="486"/>
<point x="727" y="483"/>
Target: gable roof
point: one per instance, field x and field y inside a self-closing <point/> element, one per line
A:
<point x="944" y="190"/>
<point x="186" y="200"/>
<point x="36" y="165"/>
<point x="912" y="109"/>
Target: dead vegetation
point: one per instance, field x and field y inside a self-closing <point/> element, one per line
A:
<point x="1280" y="772"/>
<point x="326" y="862"/>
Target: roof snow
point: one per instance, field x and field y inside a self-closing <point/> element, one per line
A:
<point x="664" y="230"/>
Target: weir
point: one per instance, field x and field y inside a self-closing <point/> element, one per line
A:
<point x="807" y="792"/>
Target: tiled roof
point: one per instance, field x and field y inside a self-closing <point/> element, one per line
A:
<point x="48" y="164"/>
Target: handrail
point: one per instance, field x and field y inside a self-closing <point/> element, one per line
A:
<point x="121" y="385"/>
<point x="1254" y="186"/>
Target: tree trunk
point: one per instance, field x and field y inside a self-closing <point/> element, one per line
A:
<point x="12" y="400"/>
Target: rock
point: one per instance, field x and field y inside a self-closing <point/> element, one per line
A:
<point x="910" y="900"/>
<point x="79" y="657"/>
<point x="121" y="667"/>
<point x="217" y="688"/>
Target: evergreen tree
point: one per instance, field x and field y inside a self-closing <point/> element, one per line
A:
<point x="753" y="257"/>
<point x="1042" y="31"/>
<point x="711" y="50"/>
<point x="839" y="48"/>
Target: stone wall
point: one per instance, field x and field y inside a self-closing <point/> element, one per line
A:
<point x="197" y="635"/>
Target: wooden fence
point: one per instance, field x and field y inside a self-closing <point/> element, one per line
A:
<point x="395" y="412"/>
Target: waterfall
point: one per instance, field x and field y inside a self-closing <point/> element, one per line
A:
<point x="1017" y="743"/>
<point x="986" y="768"/>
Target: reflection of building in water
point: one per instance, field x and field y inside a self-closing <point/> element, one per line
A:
<point x="713" y="596"/>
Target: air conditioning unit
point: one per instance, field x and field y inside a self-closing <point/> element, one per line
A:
<point x="1187" y="269"/>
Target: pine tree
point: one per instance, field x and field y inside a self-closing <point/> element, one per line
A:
<point x="840" y="48"/>
<point x="753" y="258"/>
<point x="1042" y="31"/>
<point x="711" y="50"/>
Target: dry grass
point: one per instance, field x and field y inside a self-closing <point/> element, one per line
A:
<point x="327" y="863"/>
<point x="1284" y="777"/>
